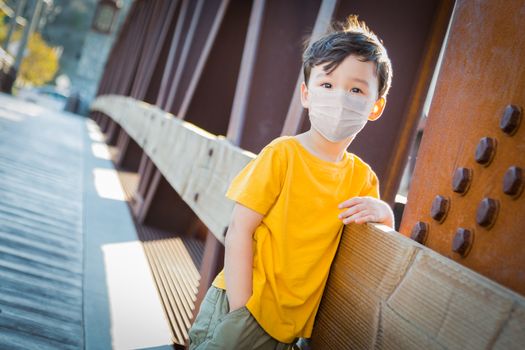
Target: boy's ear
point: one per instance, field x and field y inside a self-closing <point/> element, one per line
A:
<point x="377" y="110"/>
<point x="305" y="98"/>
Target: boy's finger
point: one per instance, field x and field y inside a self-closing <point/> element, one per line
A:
<point x="350" y="202"/>
<point x="367" y="218"/>
<point x="354" y="209"/>
<point x="356" y="217"/>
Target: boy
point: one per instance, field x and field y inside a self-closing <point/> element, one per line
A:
<point x="293" y="199"/>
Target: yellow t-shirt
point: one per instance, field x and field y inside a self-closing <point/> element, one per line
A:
<point x="293" y="247"/>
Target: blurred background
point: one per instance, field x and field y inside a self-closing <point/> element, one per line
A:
<point x="59" y="48"/>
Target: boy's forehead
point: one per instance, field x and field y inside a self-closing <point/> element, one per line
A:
<point x="357" y="70"/>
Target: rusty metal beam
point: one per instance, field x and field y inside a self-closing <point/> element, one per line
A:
<point x="236" y="124"/>
<point x="203" y="57"/>
<point x="181" y="29"/>
<point x="172" y="100"/>
<point x="216" y="74"/>
<point x="462" y="202"/>
<point x="296" y="113"/>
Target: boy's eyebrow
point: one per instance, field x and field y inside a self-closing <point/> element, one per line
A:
<point x="360" y="81"/>
<point x="320" y="74"/>
<point x="351" y="79"/>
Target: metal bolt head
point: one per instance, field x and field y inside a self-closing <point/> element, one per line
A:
<point x="510" y="121"/>
<point x="439" y="208"/>
<point x="513" y="181"/>
<point x="487" y="212"/>
<point x="461" y="180"/>
<point x="462" y="241"/>
<point x="485" y="150"/>
<point x="419" y="232"/>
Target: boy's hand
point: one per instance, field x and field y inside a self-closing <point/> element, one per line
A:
<point x="366" y="209"/>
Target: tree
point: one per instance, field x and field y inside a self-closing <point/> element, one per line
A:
<point x="40" y="64"/>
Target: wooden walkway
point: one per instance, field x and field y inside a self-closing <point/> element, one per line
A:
<point x="41" y="253"/>
<point x="56" y="231"/>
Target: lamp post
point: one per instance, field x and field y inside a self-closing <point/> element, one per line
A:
<point x="13" y="22"/>
<point x="37" y="7"/>
<point x="105" y="15"/>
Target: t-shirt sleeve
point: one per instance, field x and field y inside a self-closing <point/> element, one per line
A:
<point x="259" y="183"/>
<point x="371" y="188"/>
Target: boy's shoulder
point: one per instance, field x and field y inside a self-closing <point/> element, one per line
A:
<point x="283" y="143"/>
<point x="359" y="163"/>
<point x="280" y="145"/>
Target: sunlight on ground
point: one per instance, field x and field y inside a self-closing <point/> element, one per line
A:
<point x="20" y="106"/>
<point x="100" y="150"/>
<point x="137" y="317"/>
<point x="14" y="117"/>
<point x="108" y="184"/>
<point x="94" y="131"/>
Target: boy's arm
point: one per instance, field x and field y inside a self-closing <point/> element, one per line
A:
<point x="238" y="257"/>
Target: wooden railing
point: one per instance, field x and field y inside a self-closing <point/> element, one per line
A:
<point x="197" y="164"/>
<point x="384" y="291"/>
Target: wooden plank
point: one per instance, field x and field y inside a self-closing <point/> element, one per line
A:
<point x="386" y="291"/>
<point x="196" y="163"/>
<point x="41" y="228"/>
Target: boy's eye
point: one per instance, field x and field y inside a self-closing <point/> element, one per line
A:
<point x="356" y="90"/>
<point x="326" y="85"/>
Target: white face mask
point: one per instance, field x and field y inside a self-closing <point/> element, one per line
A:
<point x="337" y="114"/>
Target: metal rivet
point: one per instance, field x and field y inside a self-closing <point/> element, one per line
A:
<point x="419" y="232"/>
<point x="487" y="212"/>
<point x="210" y="152"/>
<point x="510" y="121"/>
<point x="462" y="241"/>
<point x="513" y="181"/>
<point x="439" y="208"/>
<point x="485" y="150"/>
<point x="461" y="180"/>
<point x="196" y="197"/>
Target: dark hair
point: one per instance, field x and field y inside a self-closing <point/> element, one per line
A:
<point x="344" y="39"/>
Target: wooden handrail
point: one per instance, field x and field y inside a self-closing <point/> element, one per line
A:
<point x="197" y="164"/>
<point x="385" y="291"/>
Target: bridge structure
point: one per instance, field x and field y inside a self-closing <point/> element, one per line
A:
<point x="191" y="92"/>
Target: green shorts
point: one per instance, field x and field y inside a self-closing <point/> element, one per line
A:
<point x="216" y="328"/>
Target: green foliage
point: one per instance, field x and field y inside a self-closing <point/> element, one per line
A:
<point x="3" y="27"/>
<point x="40" y="64"/>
